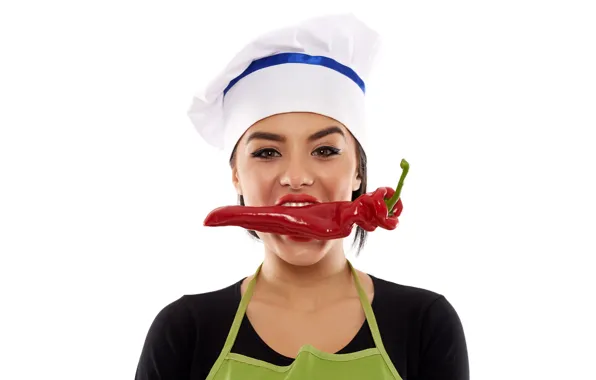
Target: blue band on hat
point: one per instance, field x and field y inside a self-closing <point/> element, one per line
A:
<point x="282" y="58"/>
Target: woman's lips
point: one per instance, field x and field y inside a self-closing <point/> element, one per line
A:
<point x="296" y="199"/>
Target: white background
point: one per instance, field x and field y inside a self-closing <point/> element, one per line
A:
<point x="104" y="183"/>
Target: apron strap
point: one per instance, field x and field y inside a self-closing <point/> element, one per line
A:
<point x="370" y="315"/>
<point x="372" y="322"/>
<point x="240" y="315"/>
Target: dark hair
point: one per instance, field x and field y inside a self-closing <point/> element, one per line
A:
<point x="361" y="234"/>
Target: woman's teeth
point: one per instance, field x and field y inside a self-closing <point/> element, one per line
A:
<point x="297" y="204"/>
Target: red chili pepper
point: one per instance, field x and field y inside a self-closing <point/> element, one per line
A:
<point x="322" y="221"/>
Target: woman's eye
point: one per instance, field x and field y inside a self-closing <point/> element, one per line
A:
<point x="326" y="151"/>
<point x="265" y="153"/>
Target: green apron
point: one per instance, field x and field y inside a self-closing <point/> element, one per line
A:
<point x="310" y="363"/>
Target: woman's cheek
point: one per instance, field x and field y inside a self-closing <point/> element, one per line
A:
<point x="260" y="189"/>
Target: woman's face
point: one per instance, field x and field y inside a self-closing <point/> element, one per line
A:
<point x="296" y="153"/>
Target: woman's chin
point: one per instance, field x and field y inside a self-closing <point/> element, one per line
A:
<point x="300" y="251"/>
<point x="302" y="260"/>
<point x="299" y="239"/>
<point x="299" y="243"/>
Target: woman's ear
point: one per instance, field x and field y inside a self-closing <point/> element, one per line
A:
<point x="236" y="181"/>
<point x="356" y="182"/>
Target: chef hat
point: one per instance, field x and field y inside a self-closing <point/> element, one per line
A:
<point x="319" y="66"/>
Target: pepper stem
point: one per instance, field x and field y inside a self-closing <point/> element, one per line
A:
<point x="391" y="202"/>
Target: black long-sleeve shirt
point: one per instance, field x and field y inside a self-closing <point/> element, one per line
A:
<point x="421" y="332"/>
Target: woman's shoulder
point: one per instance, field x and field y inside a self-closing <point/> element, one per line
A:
<point x="428" y="320"/>
<point x="181" y="327"/>
<point x="227" y="293"/>
<point x="412" y="301"/>
<point x="404" y="292"/>
<point x="191" y="311"/>
<point x="415" y="306"/>
<point x="211" y="303"/>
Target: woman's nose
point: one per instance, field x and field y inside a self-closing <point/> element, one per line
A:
<point x="296" y="175"/>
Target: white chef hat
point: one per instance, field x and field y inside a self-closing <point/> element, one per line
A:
<point x="320" y="66"/>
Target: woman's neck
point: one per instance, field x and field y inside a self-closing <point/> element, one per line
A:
<point x="305" y="288"/>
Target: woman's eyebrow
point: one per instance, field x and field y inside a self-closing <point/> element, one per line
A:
<point x="265" y="136"/>
<point x="279" y="138"/>
<point x="326" y="132"/>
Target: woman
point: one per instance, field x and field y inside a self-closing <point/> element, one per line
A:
<point x="289" y="113"/>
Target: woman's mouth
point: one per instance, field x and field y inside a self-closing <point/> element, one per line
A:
<point x="296" y="204"/>
<point x="296" y="200"/>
